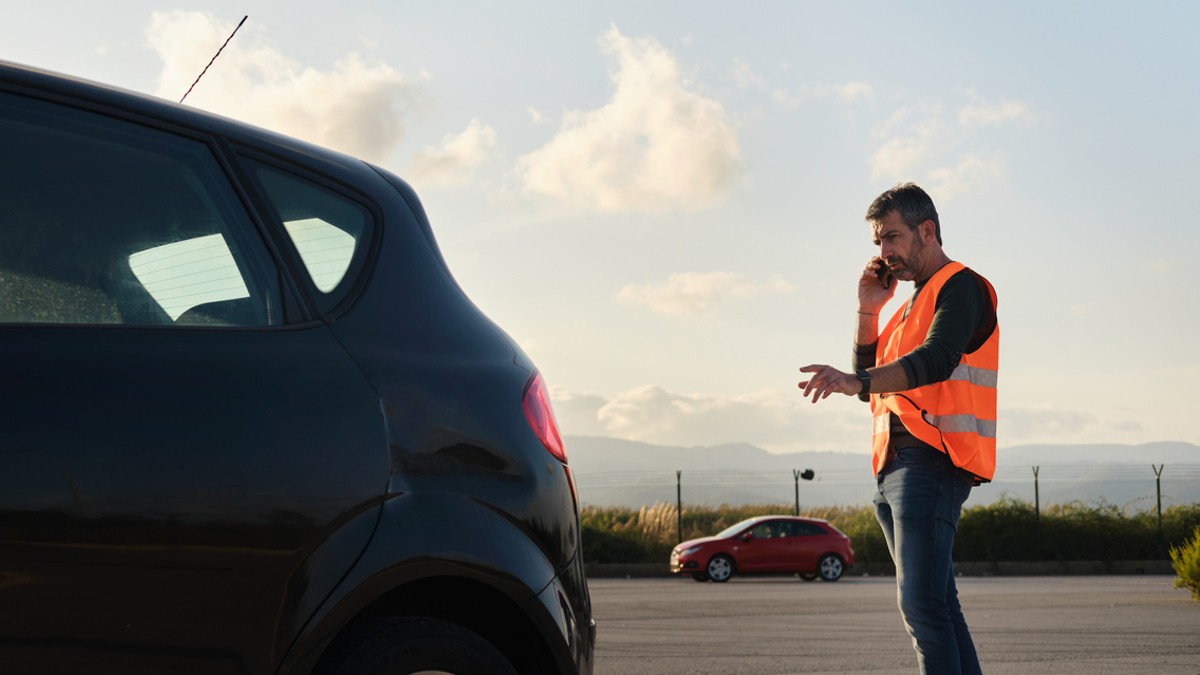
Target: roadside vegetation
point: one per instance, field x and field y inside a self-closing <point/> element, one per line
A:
<point x="1185" y="560"/>
<point x="1008" y="530"/>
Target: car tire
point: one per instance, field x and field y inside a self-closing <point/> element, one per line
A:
<point x="700" y="577"/>
<point x="830" y="567"/>
<point x="808" y="576"/>
<point x="401" y="646"/>
<point x="721" y="568"/>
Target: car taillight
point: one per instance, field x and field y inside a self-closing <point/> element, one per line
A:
<point x="536" y="402"/>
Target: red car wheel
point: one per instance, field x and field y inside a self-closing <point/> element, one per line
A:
<point x="720" y="568"/>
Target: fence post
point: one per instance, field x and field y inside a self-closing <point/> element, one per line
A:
<point x="1158" y="490"/>
<point x="678" y="506"/>
<point x="1037" y="503"/>
<point x="796" y="478"/>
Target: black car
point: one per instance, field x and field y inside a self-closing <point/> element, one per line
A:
<point x="250" y="422"/>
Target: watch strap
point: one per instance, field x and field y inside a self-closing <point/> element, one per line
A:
<point x="865" y="378"/>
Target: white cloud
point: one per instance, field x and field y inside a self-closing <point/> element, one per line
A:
<point x="969" y="175"/>
<point x="355" y="107"/>
<point x="783" y="421"/>
<point x="656" y="145"/>
<point x="1019" y="426"/>
<point x="847" y="92"/>
<point x="745" y="75"/>
<point x="919" y="143"/>
<point x="1046" y="425"/>
<point x="899" y="155"/>
<point x="853" y="91"/>
<point x="456" y="160"/>
<point x="1158" y="266"/>
<point x="578" y="414"/>
<point x="694" y="293"/>
<point x="536" y="116"/>
<point x="776" y="420"/>
<point x="989" y="114"/>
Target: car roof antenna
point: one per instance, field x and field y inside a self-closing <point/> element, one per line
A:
<point x="214" y="58"/>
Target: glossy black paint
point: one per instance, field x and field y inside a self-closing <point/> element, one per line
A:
<point x="193" y="500"/>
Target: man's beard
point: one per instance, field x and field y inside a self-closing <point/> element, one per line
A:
<point x="910" y="264"/>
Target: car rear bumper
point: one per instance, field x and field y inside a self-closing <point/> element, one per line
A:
<point x="567" y="599"/>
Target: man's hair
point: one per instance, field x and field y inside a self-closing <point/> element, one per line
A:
<point x="911" y="202"/>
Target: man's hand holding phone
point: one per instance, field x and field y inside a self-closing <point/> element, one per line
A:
<point x="876" y="286"/>
<point x="883" y="273"/>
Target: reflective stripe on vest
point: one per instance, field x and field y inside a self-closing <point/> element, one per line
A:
<point x="961" y="424"/>
<point x="978" y="376"/>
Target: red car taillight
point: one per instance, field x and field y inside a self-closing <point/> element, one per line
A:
<point x="536" y="402"/>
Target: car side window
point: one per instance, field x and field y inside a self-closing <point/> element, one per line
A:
<point x="808" y="530"/>
<point x="762" y="531"/>
<point x="104" y="221"/>
<point x="785" y="529"/>
<point x="328" y="230"/>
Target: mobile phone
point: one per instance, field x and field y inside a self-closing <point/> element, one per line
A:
<point x="883" y="273"/>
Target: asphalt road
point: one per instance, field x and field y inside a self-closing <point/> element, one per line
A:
<point x="772" y="626"/>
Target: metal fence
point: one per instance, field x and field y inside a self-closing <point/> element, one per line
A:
<point x="1140" y="487"/>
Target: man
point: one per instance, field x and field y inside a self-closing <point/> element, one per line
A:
<point x="931" y="376"/>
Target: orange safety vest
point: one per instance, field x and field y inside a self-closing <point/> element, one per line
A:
<point x="957" y="415"/>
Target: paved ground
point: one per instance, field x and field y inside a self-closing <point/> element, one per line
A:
<point x="772" y="626"/>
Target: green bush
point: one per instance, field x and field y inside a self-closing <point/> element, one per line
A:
<point x="1007" y="530"/>
<point x="604" y="546"/>
<point x="1185" y="560"/>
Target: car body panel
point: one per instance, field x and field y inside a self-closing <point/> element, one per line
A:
<point x="136" y="498"/>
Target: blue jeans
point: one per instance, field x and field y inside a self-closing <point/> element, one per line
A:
<point x="920" y="497"/>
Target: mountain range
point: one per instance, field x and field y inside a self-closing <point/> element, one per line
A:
<point x="617" y="472"/>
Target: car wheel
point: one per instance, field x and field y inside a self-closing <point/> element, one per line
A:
<point x="830" y="567"/>
<point x="808" y="576"/>
<point x="403" y="646"/>
<point x="720" y="568"/>
<point x="700" y="577"/>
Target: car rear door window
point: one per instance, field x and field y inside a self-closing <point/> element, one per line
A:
<point x="103" y="221"/>
<point x="328" y="230"/>
<point x="809" y="530"/>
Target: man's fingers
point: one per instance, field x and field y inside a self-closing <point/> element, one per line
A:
<point x="823" y="383"/>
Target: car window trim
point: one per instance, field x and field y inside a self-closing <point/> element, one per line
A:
<point x="360" y="266"/>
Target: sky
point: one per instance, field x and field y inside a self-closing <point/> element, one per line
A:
<point x="663" y="202"/>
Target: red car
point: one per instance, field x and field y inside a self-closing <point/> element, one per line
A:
<point x="810" y="547"/>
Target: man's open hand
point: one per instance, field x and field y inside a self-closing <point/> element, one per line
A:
<point x="828" y="380"/>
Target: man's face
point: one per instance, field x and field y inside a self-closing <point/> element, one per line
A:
<point x="899" y="246"/>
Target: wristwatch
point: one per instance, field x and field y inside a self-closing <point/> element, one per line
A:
<point x="864" y="377"/>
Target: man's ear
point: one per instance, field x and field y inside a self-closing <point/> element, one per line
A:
<point x="928" y="230"/>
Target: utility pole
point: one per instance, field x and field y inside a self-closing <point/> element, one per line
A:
<point x="797" y="474"/>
